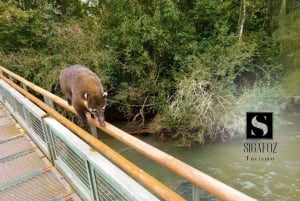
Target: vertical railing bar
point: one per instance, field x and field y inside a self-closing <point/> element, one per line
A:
<point x="28" y="120"/>
<point x="48" y="101"/>
<point x="50" y="143"/>
<point x="10" y="77"/>
<point x="90" y="178"/>
<point x="93" y="130"/>
<point x="196" y="193"/>
<point x="24" y="86"/>
<point x="93" y="182"/>
<point x="13" y="103"/>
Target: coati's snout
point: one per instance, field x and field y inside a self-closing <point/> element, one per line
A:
<point x="96" y="104"/>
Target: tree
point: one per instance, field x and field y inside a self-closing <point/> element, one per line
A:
<point x="242" y="19"/>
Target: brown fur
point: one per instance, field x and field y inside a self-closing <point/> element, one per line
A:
<point x="84" y="91"/>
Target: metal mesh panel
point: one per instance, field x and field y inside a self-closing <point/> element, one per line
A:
<point x="19" y="109"/>
<point x="8" y="98"/>
<point x="105" y="191"/>
<point x="71" y="159"/>
<point x="11" y="99"/>
<point x="2" y="91"/>
<point x="43" y="187"/>
<point x="5" y="95"/>
<point x="36" y="125"/>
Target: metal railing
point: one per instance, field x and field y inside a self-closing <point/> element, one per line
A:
<point x="196" y="177"/>
<point x="91" y="175"/>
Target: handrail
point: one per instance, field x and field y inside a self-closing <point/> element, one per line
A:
<point x="150" y="182"/>
<point x="195" y="176"/>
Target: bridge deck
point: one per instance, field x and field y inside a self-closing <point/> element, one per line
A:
<point x="25" y="173"/>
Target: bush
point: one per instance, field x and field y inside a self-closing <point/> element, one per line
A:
<point x="208" y="105"/>
<point x="201" y="115"/>
<point x="19" y="29"/>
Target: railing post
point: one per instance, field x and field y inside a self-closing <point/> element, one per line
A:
<point x="48" y="101"/>
<point x="94" y="130"/>
<point x="24" y="86"/>
<point x="50" y="142"/>
<point x="196" y="193"/>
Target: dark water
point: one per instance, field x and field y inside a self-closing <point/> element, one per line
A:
<point x="264" y="176"/>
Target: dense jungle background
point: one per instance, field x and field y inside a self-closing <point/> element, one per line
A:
<point x="184" y="70"/>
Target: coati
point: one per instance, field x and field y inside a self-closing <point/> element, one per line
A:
<point x="84" y="92"/>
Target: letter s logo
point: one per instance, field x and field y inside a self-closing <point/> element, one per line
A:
<point x="260" y="125"/>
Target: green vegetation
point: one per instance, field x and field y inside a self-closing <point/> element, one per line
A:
<point x="191" y="68"/>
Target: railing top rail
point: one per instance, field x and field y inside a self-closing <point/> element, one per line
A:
<point x="135" y="172"/>
<point x="195" y="176"/>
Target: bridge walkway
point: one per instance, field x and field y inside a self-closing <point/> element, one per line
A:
<point x="25" y="172"/>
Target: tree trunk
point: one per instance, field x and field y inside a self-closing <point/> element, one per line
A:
<point x="282" y="11"/>
<point x="242" y="19"/>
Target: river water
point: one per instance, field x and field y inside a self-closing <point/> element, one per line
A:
<point x="271" y="175"/>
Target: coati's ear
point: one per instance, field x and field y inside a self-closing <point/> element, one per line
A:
<point x="104" y="94"/>
<point x="85" y="96"/>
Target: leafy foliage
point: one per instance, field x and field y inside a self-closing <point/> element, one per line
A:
<point x="156" y="58"/>
<point x="21" y="29"/>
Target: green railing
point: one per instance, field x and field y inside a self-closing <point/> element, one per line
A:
<point x="91" y="175"/>
<point x="58" y="151"/>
